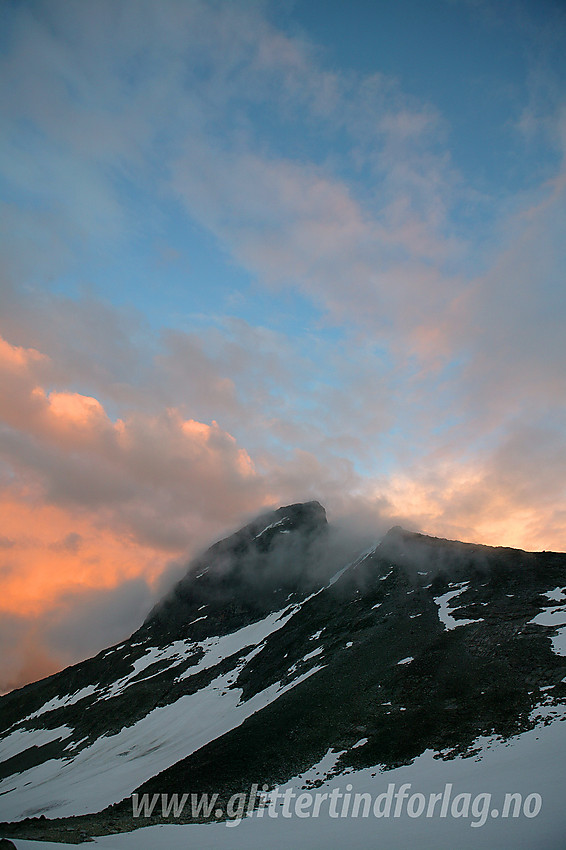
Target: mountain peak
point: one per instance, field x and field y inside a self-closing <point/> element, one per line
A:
<point x="312" y="509"/>
<point x="303" y="516"/>
<point x="266" y="657"/>
<point x="246" y="575"/>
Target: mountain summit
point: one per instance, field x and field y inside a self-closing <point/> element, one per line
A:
<point x="271" y="653"/>
<point x="245" y="576"/>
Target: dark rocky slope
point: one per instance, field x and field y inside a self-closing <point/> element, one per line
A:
<point x="388" y="663"/>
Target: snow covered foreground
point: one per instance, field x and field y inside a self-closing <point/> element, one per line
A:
<point x="532" y="763"/>
<point x="109" y="769"/>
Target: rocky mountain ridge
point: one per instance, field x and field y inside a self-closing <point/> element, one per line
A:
<point x="270" y="653"/>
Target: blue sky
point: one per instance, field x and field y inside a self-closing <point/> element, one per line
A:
<point x="260" y="252"/>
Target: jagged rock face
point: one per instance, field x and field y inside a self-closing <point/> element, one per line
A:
<point x="416" y="644"/>
<point x="246" y="576"/>
<point x="236" y="582"/>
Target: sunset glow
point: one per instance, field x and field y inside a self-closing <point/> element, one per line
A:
<point x="256" y="254"/>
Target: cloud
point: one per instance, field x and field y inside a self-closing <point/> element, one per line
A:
<point x="96" y="509"/>
<point x="513" y="495"/>
<point x="87" y="458"/>
<point x="420" y="381"/>
<point x="514" y="314"/>
<point x="69" y="630"/>
<point x="295" y="226"/>
<point x="109" y="119"/>
<point x="24" y="656"/>
<point x="94" y="512"/>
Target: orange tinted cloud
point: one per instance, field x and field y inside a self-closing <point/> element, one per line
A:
<point x="49" y="550"/>
<point x="95" y="505"/>
<point x="94" y="502"/>
<point x="471" y="503"/>
<point x="17" y="359"/>
<point x="92" y="505"/>
<point x="163" y="462"/>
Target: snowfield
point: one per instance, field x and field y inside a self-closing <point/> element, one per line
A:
<point x="533" y="763"/>
<point x="373" y="644"/>
<point x="114" y="765"/>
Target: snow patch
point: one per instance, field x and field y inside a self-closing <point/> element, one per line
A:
<point x="444" y="608"/>
<point x="60" y="701"/>
<point x="22" y="739"/>
<point x="277" y="524"/>
<point x="312" y="654"/>
<point x="557" y="595"/>
<point x="551" y="617"/>
<point x="114" y="765"/>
